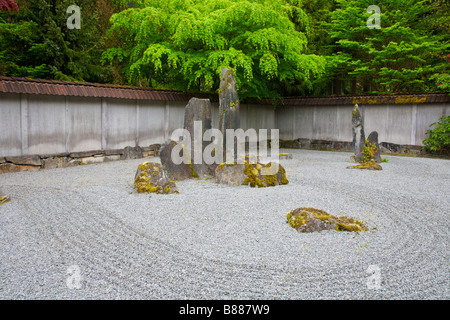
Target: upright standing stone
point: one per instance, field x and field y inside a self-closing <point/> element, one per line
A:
<point x="198" y="110"/>
<point x="358" y="133"/>
<point x="373" y="139"/>
<point x="228" y="108"/>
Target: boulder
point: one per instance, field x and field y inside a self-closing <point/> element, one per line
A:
<point x="230" y="174"/>
<point x="264" y="174"/>
<point x="151" y="178"/>
<point x="177" y="172"/>
<point x="314" y="220"/>
<point x="256" y="175"/>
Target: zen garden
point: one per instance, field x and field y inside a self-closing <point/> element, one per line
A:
<point x="224" y="150"/>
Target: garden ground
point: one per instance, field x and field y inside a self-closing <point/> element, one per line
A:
<point x="85" y="233"/>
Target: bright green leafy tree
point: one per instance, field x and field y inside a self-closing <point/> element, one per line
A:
<point x="318" y="15"/>
<point x="182" y="44"/>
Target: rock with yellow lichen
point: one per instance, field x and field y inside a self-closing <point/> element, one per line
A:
<point x="314" y="220"/>
<point x="370" y="155"/>
<point x="264" y="174"/>
<point x="151" y="178"/>
<point x="4" y="198"/>
<point x="253" y="174"/>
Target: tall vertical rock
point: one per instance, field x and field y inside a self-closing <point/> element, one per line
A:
<point x="197" y="119"/>
<point x="358" y="133"/>
<point x="228" y="108"/>
<point x="373" y="140"/>
<point x="198" y="111"/>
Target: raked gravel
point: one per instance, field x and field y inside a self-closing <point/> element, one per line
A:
<point x="84" y="233"/>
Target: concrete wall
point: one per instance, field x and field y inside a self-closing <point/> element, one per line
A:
<point x="42" y="124"/>
<point x="404" y="124"/>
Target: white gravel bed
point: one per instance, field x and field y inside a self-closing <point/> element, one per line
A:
<point x="221" y="242"/>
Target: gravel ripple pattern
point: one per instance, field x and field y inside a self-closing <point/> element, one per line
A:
<point x="221" y="242"/>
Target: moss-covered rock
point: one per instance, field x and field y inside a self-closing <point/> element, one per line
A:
<point x="4" y="199"/>
<point x="314" y="220"/>
<point x="370" y="155"/>
<point x="255" y="175"/>
<point x="151" y="178"/>
<point x="264" y="174"/>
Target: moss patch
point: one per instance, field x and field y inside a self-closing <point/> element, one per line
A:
<point x="368" y="160"/>
<point x="256" y="175"/>
<point x="371" y="165"/>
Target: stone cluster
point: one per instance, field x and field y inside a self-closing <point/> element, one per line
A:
<point x="255" y="173"/>
<point x="367" y="152"/>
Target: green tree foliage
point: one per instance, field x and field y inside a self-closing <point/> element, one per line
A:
<point x="276" y="48"/>
<point x="35" y="42"/>
<point x="439" y="137"/>
<point x="310" y="17"/>
<point x="398" y="57"/>
<point x="183" y="44"/>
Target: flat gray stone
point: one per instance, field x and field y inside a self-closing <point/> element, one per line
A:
<point x="50" y="163"/>
<point x="131" y="153"/>
<point x="32" y="160"/>
<point x="86" y="154"/>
